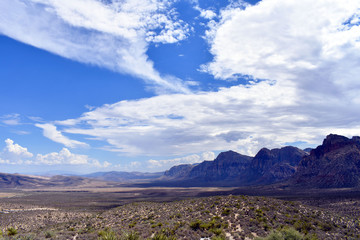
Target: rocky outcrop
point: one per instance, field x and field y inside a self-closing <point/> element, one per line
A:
<point x="334" y="164"/>
<point x="232" y="168"/>
<point x="269" y="166"/>
<point x="227" y="166"/>
<point x="178" y="172"/>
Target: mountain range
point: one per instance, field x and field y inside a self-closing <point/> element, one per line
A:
<point x="334" y="164"/>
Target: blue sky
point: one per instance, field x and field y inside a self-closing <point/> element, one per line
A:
<point x="142" y="85"/>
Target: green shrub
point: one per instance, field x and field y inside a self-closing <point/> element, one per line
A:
<point x="131" y="225"/>
<point x="226" y="212"/>
<point x="195" y="225"/>
<point x="216" y="231"/>
<point x="11" y="231"/>
<point x="130" y="236"/>
<point x="107" y="234"/>
<point x="283" y="234"/>
<point x="221" y="237"/>
<point x="163" y="236"/>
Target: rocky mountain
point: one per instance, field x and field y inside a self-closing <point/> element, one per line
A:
<point x="226" y="167"/>
<point x="231" y="168"/>
<point x="334" y="164"/>
<point x="269" y="166"/>
<point x="178" y="172"/>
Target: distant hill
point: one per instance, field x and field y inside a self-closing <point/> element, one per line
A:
<point x="116" y="176"/>
<point x="26" y="181"/>
<point x="334" y="164"/>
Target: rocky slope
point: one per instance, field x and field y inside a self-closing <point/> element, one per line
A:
<point x="334" y="164"/>
<point x="268" y="166"/>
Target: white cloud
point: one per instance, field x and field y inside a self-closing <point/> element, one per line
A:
<point x="297" y="41"/>
<point x="16" y="149"/>
<point x="11" y="119"/>
<point x="53" y="134"/>
<point x="191" y="159"/>
<point x="181" y="124"/>
<point x="65" y="157"/>
<point x="13" y="153"/>
<point x="113" y="35"/>
<point x="307" y="51"/>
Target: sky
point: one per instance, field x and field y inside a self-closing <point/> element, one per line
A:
<point x="143" y="85"/>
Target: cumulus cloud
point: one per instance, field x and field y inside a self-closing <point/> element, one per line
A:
<point x="191" y="159"/>
<point x="109" y="34"/>
<point x="305" y="42"/>
<point x="50" y="131"/>
<point x="301" y="59"/>
<point x="14" y="154"/>
<point x="65" y="157"/>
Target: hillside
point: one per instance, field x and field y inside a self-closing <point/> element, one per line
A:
<point x="24" y="181"/>
<point x="233" y="169"/>
<point x="334" y="164"/>
<point x="219" y="217"/>
<point x="117" y="176"/>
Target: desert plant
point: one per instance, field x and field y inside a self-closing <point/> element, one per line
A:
<point x="11" y="231"/>
<point x="107" y="234"/>
<point x="130" y="236"/>
<point x="49" y="234"/>
<point x="195" y="225"/>
<point x="163" y="236"/>
<point x="283" y="234"/>
<point x="226" y="212"/>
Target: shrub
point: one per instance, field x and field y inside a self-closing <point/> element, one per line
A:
<point x="163" y="236"/>
<point x="226" y="212"/>
<point x="107" y="234"/>
<point x="49" y="234"/>
<point x="11" y="231"/>
<point x="130" y="236"/>
<point x="326" y="227"/>
<point x="283" y="234"/>
<point x="195" y="225"/>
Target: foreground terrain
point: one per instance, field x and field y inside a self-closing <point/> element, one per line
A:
<point x="176" y="213"/>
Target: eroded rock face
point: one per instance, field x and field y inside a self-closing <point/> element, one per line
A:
<point x="334" y="164"/>
<point x="268" y="166"/>
<point x="227" y="166"/>
<point x="178" y="172"/>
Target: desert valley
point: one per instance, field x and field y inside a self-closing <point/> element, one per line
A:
<point x="279" y="193"/>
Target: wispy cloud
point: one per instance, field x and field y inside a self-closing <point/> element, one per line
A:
<point x="52" y="133"/>
<point x="11" y="119"/>
<point x="113" y="35"/>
